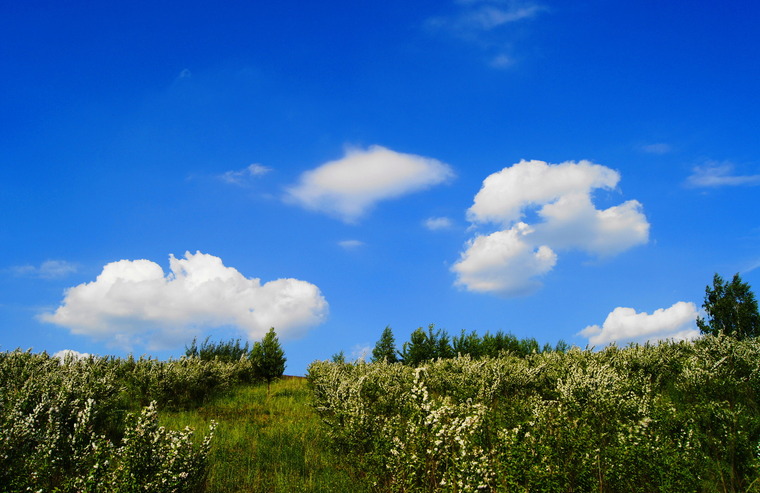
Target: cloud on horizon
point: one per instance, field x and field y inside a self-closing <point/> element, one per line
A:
<point x="508" y="262"/>
<point x="715" y="174"/>
<point x="625" y="325"/>
<point x="349" y="187"/>
<point x="133" y="302"/>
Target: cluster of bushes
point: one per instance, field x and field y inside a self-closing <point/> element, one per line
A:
<point x="72" y="426"/>
<point x="670" y="417"/>
<point x="90" y="424"/>
<point x="437" y="344"/>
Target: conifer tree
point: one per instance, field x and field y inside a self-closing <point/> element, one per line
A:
<point x="268" y="358"/>
<point x="385" y="349"/>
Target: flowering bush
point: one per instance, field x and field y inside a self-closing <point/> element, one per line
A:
<point x="64" y="427"/>
<point x="669" y="417"/>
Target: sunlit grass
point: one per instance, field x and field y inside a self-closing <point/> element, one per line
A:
<point x="268" y="442"/>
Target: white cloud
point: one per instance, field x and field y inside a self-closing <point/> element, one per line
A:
<point x="350" y="244"/>
<point x="506" y="195"/>
<point x="715" y="174"/>
<point x="561" y="197"/>
<point x="134" y="302"/>
<point x="240" y="177"/>
<point x="49" y="269"/>
<point x="573" y="222"/>
<point x="504" y="262"/>
<point x="349" y="187"/>
<point x="437" y="223"/>
<point x="626" y="325"/>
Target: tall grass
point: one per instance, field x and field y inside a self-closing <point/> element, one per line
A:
<point x="268" y="442"/>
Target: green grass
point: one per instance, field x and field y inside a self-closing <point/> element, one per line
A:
<point x="268" y="442"/>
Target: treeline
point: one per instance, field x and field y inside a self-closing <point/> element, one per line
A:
<point x="432" y="344"/>
<point x="90" y="424"/>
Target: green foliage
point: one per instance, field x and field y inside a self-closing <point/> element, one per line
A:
<point x="385" y="348"/>
<point x="339" y="357"/>
<point x="436" y="344"/>
<point x="672" y="417"/>
<point x="268" y="358"/>
<point x="229" y="351"/>
<point x="425" y="346"/>
<point x="731" y="309"/>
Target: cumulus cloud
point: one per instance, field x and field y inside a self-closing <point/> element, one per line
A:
<point x="437" y="223"/>
<point x="49" y="269"/>
<point x="504" y="262"/>
<point x="350" y="186"/>
<point x="507" y="194"/>
<point x="715" y="174"/>
<point x="241" y="177"/>
<point x="135" y="302"/>
<point x="560" y="198"/>
<point x="625" y="325"/>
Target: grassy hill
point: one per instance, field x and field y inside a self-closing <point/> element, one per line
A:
<point x="268" y="442"/>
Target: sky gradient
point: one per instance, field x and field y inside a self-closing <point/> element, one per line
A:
<point x="557" y="170"/>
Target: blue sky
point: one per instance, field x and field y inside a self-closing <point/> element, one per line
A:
<point x="558" y="170"/>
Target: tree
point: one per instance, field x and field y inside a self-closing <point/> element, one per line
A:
<point x="385" y="348"/>
<point x="268" y="358"/>
<point x="424" y="346"/>
<point x="731" y="309"/>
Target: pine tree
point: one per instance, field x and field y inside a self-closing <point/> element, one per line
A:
<point x="268" y="358"/>
<point x="385" y="349"/>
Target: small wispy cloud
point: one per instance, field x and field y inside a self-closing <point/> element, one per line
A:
<point x="49" y="269"/>
<point x="243" y="176"/>
<point x="502" y="61"/>
<point x="437" y="223"/>
<point x="350" y="244"/>
<point x="486" y="24"/>
<point x="656" y="148"/>
<point x="486" y="15"/>
<point x="719" y="174"/>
